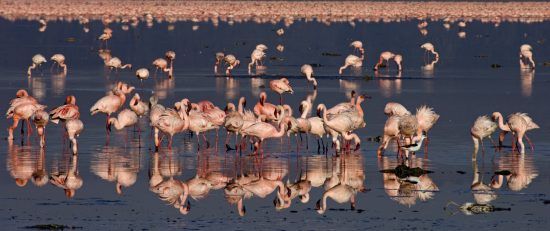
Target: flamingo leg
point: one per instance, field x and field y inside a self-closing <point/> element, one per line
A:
<point x="205" y="140"/>
<point x="29" y="127"/>
<point x="530" y="143"/>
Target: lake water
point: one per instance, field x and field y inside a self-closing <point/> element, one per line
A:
<point x="462" y="86"/>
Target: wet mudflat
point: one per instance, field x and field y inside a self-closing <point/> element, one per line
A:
<point x="119" y="173"/>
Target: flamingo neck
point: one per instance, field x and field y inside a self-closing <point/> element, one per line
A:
<point x="501" y="124"/>
<point x="240" y="107"/>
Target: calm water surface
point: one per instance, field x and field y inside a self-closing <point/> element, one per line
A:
<point x="117" y="174"/>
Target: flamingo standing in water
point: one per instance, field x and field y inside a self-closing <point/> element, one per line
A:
<point x="386" y="56"/>
<point x="263" y="130"/>
<point x="125" y="118"/>
<point x="426" y="119"/>
<point x="138" y="106"/>
<point x="428" y="47"/>
<point x="232" y="62"/>
<point x="108" y="105"/>
<point x="59" y="59"/>
<point x="219" y="59"/>
<point x="199" y="122"/>
<point x="156" y="110"/>
<point x="142" y="74"/>
<point x="170" y="56"/>
<point x="67" y="111"/>
<point x="357" y="46"/>
<point x="257" y="56"/>
<point x="107" y="34"/>
<point x="40" y="119"/>
<point x="526" y="55"/>
<point x="22" y="107"/>
<point x="517" y="123"/>
<point x="172" y="123"/>
<point x="115" y="63"/>
<point x="281" y="86"/>
<point x="307" y="70"/>
<point x="175" y="193"/>
<point x="265" y="108"/>
<point x="352" y="60"/>
<point x="393" y="108"/>
<point x="74" y="127"/>
<point x="162" y="65"/>
<point x="483" y="127"/>
<point x="37" y="61"/>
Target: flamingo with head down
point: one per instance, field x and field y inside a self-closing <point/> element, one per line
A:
<point x="281" y="86"/>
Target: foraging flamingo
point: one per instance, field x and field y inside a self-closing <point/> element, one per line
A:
<point x="115" y="63"/>
<point x="219" y="58"/>
<point x="108" y="105"/>
<point x="107" y="34"/>
<point x="428" y="47"/>
<point x="408" y="128"/>
<point x="142" y="74"/>
<point x="526" y="55"/>
<point x="257" y="56"/>
<point x="124" y="88"/>
<point x="353" y="61"/>
<point x="393" y="108"/>
<point x="391" y="131"/>
<point x="344" y="106"/>
<point x="232" y="62"/>
<point x="483" y="127"/>
<point x="357" y="46"/>
<point x="37" y="61"/>
<point x="156" y="110"/>
<point x="426" y="119"/>
<point x="74" y="127"/>
<point x="263" y="130"/>
<point x="67" y="111"/>
<point x="59" y="59"/>
<point x="264" y="108"/>
<point x="517" y="123"/>
<point x="281" y="86"/>
<point x="40" y="119"/>
<point x="340" y="123"/>
<point x="125" y="118"/>
<point x="22" y="110"/>
<point x="386" y="56"/>
<point x="307" y="70"/>
<point x="348" y="136"/>
<point x="175" y="193"/>
<point x="162" y="65"/>
<point x="170" y="56"/>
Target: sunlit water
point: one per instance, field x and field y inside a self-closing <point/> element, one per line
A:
<point x="117" y="174"/>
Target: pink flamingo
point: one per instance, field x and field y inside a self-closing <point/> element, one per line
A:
<point x="307" y="70"/>
<point x="352" y="60"/>
<point x="483" y="127"/>
<point x="59" y="59"/>
<point x="386" y="56"/>
<point x="40" y="119"/>
<point x="199" y="123"/>
<point x="22" y="108"/>
<point x="138" y="106"/>
<point x="264" y="108"/>
<point x="74" y="127"/>
<point x="428" y="47"/>
<point x="263" y="130"/>
<point x="108" y="105"/>
<point x="281" y="86"/>
<point x="125" y="118"/>
<point x="116" y="63"/>
<point x="172" y="123"/>
<point x="37" y="61"/>
<point x="67" y="111"/>
<point x="162" y="64"/>
<point x="526" y="55"/>
<point x="232" y="63"/>
<point x="219" y="59"/>
<point x="344" y="106"/>
<point x="357" y="45"/>
<point x="517" y="123"/>
<point x="393" y="108"/>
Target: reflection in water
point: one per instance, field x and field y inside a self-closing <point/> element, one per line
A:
<point x="117" y="165"/>
<point x="405" y="183"/>
<point x="527" y="76"/>
<point x="256" y="85"/>
<point x="518" y="170"/>
<point x="228" y="86"/>
<point x="428" y="68"/>
<point x="38" y="87"/>
<point x="389" y="87"/>
<point x="164" y="87"/>
<point x="58" y="83"/>
<point x="24" y="164"/>
<point x="64" y="175"/>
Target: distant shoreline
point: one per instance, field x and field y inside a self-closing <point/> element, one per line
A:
<point x="274" y="11"/>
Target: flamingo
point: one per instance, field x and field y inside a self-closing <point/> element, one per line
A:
<point x="264" y="108"/>
<point x="232" y="63"/>
<point x="115" y="63"/>
<point x="233" y="121"/>
<point x="107" y="34"/>
<point x="483" y="127"/>
<point x="299" y="189"/>
<point x="215" y="116"/>
<point x="428" y="47"/>
<point x="517" y="123"/>
<point x="317" y="126"/>
<point x="386" y="56"/>
<point x="263" y="130"/>
<point x="59" y="59"/>
<point x="70" y="181"/>
<point x="408" y="127"/>
<point x="22" y="110"/>
<point x="526" y="54"/>
<point x="138" y="106"/>
<point x="257" y="56"/>
<point x="348" y="136"/>
<point x="170" y="56"/>
<point x="172" y="123"/>
<point x="357" y="45"/>
<point x="162" y="64"/>
<point x="199" y="122"/>
<point x="352" y="60"/>
<point x="393" y="108"/>
<point x="340" y="193"/>
<point x="340" y="123"/>
<point x="156" y="110"/>
<point x="344" y="106"/>
<point x="67" y="111"/>
<point x="142" y="74"/>
<point x="391" y="131"/>
<point x="281" y="86"/>
<point x="37" y="61"/>
<point x="124" y="88"/>
<point x="126" y="118"/>
<point x="74" y="127"/>
<point x="40" y="119"/>
<point x="108" y="105"/>
<point x="426" y="118"/>
<point x="219" y="58"/>
<point x="307" y="70"/>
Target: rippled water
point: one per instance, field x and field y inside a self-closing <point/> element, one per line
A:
<point x="119" y="178"/>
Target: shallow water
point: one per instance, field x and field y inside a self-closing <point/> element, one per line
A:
<point x="462" y="87"/>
